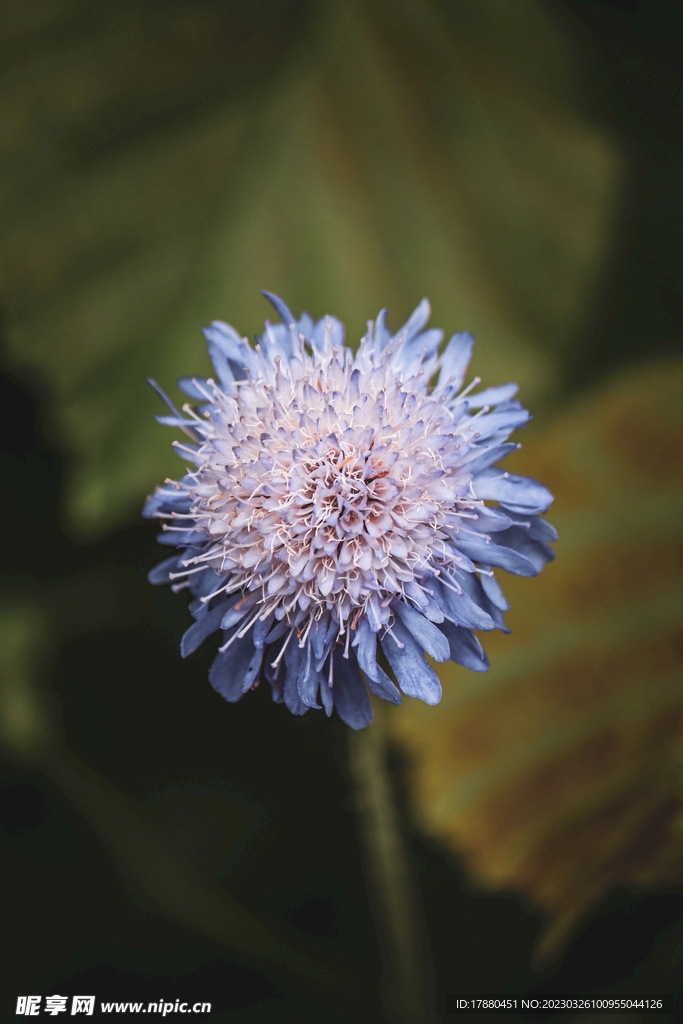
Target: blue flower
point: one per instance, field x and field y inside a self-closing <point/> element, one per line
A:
<point x="335" y="506"/>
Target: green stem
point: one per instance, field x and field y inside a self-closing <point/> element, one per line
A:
<point x="390" y="878"/>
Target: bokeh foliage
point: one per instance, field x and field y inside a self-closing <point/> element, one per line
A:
<point x="151" y="186"/>
<point x="160" y="163"/>
<point x="558" y="773"/>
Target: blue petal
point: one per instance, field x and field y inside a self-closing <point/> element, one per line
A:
<point x="489" y="520"/>
<point x="383" y="687"/>
<point x="195" y="387"/>
<point x="281" y="308"/>
<point x="178" y="421"/>
<point x="160" y="572"/>
<point x="488" y="457"/>
<point x="378" y="681"/>
<point x="317" y="639"/>
<point x="236" y="613"/>
<point x="519" y="493"/>
<point x="326" y="696"/>
<point x="492" y="590"/>
<point x="416" y="594"/>
<point x="465" y="648"/>
<point x="181" y="538"/>
<point x="424" y="601"/>
<point x="455" y="358"/>
<point x="486" y="551"/>
<point x="199" y="630"/>
<point x="419" y="350"/>
<point x="279" y="629"/>
<point x="415" y="677"/>
<point x="535" y="551"/>
<point x="499" y="436"/>
<point x="276" y="340"/>
<point x="167" y="499"/>
<point x="322" y="641"/>
<point x="350" y="696"/>
<point x="164" y="397"/>
<point x="426" y="343"/>
<point x="251" y="676"/>
<point x="500" y="422"/>
<point x="275" y="677"/>
<point x="366" y="643"/>
<point x="308" y="680"/>
<point x="204" y="583"/>
<point x="429" y="637"/>
<point x="460" y="608"/>
<point x="234" y="671"/>
<point x="216" y="346"/>
<point x="415" y="322"/>
<point x="492" y="396"/>
<point x="537" y="528"/>
<point x="154" y="503"/>
<point x="229" y="353"/>
<point x="294" y="661"/>
<point x="381" y="334"/>
<point x="330" y="326"/>
<point x="188" y="452"/>
<point x="261" y="630"/>
<point x="305" y="326"/>
<point x="496" y="613"/>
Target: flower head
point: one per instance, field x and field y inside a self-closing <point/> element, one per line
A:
<point x="336" y="500"/>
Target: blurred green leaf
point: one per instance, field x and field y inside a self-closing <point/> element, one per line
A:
<point x="24" y="726"/>
<point x="169" y="885"/>
<point x="557" y="774"/>
<point x="162" y="878"/>
<point x="380" y="152"/>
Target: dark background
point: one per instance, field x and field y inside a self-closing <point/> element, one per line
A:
<point x="250" y="795"/>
